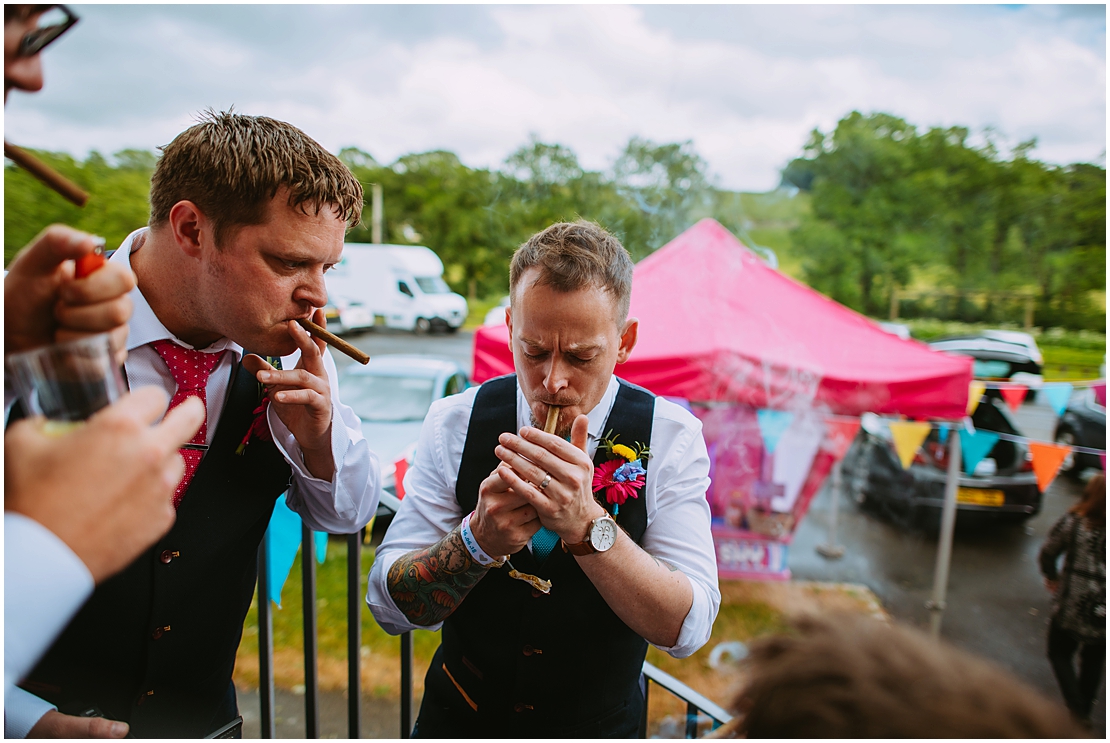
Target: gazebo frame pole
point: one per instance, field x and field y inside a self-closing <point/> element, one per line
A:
<point x="936" y="605"/>
<point x="831" y="550"/>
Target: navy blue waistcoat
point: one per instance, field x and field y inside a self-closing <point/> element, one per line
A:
<point x="155" y="645"/>
<point x="515" y="662"/>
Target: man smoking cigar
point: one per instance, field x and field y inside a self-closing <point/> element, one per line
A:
<point x="609" y="509"/>
<point x="247" y="213"/>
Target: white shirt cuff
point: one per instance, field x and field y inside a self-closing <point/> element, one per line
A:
<point x="22" y="711"/>
<point x="45" y="584"/>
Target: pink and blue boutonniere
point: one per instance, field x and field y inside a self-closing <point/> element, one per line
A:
<point x="623" y="475"/>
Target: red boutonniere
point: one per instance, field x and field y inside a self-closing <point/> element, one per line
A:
<point x="622" y="476"/>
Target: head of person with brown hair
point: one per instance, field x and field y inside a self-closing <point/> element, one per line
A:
<point x="570" y="287"/>
<point x="1093" y="505"/>
<point x="852" y="677"/>
<point x="247" y="214"/>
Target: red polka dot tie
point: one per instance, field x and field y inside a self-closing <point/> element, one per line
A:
<point x="190" y="370"/>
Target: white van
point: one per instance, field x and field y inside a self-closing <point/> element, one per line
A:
<point x="401" y="285"/>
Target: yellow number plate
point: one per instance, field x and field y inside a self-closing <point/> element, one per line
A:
<point x="976" y="497"/>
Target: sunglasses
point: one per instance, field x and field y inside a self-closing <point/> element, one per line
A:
<point x="37" y="40"/>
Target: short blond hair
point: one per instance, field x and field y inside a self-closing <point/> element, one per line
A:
<point x="231" y="166"/>
<point x="573" y="256"/>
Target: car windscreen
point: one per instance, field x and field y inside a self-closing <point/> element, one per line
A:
<point x="432" y="285"/>
<point x="387" y="399"/>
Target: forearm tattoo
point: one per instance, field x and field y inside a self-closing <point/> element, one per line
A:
<point x="429" y="584"/>
<point x="664" y="563"/>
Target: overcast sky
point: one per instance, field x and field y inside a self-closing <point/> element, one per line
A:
<point x="745" y="83"/>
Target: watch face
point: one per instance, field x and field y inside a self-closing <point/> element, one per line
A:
<point x="603" y="534"/>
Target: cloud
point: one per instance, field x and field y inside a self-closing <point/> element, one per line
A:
<point x="745" y="83"/>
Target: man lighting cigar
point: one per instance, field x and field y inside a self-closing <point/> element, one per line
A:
<point x="247" y="213"/>
<point x="78" y="507"/>
<point x="609" y="509"/>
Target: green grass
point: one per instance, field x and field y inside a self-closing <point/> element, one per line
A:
<point x="331" y="614"/>
<point x="478" y="310"/>
<point x="1068" y="354"/>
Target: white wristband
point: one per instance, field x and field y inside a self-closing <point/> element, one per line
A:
<point x="472" y="547"/>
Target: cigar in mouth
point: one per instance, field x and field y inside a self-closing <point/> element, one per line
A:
<point x="552" y="419"/>
<point x="334" y="341"/>
<point x="52" y="178"/>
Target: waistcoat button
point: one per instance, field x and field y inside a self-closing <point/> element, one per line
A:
<point x="168" y="555"/>
<point x="521" y="707"/>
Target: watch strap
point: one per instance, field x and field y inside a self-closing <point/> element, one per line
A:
<point x="584" y="547"/>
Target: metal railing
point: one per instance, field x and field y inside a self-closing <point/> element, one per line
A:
<point x="696" y="704"/>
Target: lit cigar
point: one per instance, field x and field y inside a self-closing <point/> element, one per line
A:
<point x="552" y="419"/>
<point x="334" y="341"/>
<point x="52" y="178"/>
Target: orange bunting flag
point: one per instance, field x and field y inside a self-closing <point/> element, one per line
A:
<point x="1014" y="395"/>
<point x="839" y="435"/>
<point x="908" y="437"/>
<point x="1047" y="459"/>
<point x="974" y="395"/>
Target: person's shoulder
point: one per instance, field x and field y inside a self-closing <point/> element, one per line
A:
<point x="453" y="405"/>
<point x="672" y="412"/>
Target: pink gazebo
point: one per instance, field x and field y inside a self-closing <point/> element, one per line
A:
<point x="724" y="331"/>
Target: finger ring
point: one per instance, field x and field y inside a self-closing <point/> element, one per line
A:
<point x="546" y="482"/>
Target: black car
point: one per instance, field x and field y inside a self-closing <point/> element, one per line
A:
<point x="1082" y="424"/>
<point x="1003" y="483"/>
<point x="999" y="356"/>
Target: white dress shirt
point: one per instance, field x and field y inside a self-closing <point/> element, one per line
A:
<point x="45" y="584"/>
<point x="342" y="506"/>
<point x="677" y="479"/>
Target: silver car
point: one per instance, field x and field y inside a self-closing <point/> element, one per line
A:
<point x="391" y="395"/>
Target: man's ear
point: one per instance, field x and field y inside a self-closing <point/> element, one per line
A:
<point x="628" y="339"/>
<point x="189" y="228"/>
<point x="509" y="324"/>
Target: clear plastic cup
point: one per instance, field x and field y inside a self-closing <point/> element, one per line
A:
<point x="68" y="382"/>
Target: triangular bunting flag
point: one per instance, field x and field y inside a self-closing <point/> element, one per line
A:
<point x="908" y="437"/>
<point x="772" y="424"/>
<point x="1013" y="394"/>
<point x="1100" y="392"/>
<point x="1047" y="459"/>
<point x="974" y="395"/>
<point x="975" y="446"/>
<point x="839" y="435"/>
<point x="283" y="539"/>
<point x="942" y="433"/>
<point x="1057" y="395"/>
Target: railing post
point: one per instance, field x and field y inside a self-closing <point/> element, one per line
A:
<point x="308" y="583"/>
<point x="691" y="720"/>
<point x="406" y="684"/>
<point x="265" y="647"/>
<point x="354" y="632"/>
<point x="644" y="717"/>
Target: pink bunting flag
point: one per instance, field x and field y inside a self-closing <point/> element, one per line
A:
<point x="839" y="435"/>
<point x="1014" y="394"/>
<point x="1047" y="459"/>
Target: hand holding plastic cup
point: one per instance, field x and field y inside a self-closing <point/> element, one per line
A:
<point x="67" y="382"/>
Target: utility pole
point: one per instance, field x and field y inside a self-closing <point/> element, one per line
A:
<point x="376" y="213"/>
